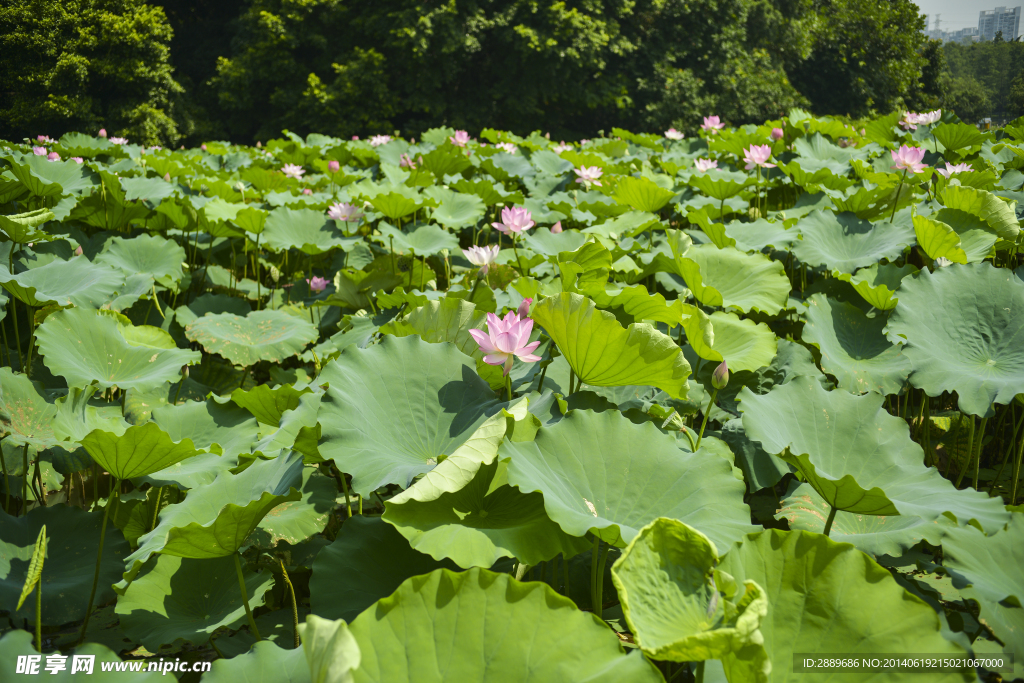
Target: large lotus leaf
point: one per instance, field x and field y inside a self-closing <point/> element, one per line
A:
<point x="394" y="410"/>
<point x="84" y="346"/>
<point x="423" y="241"/>
<point x="304" y="229"/>
<point x="268" y="404"/>
<point x="222" y="428"/>
<point x="446" y="320"/>
<point x="641" y="194"/>
<point x="857" y="456"/>
<point x="845" y="243"/>
<point x="741" y="343"/>
<point x="260" y="335"/>
<point x="76" y="417"/>
<point x="139" y="451"/>
<point x="603" y="354"/>
<point x="198" y="470"/>
<point x="600" y="472"/>
<point x="75" y="282"/>
<point x="547" y="243"/>
<point x="215" y="520"/>
<point x="975" y="236"/>
<point x="759" y="234"/>
<point x="957" y="136"/>
<point x="828" y="598"/>
<point x="679" y="609"/>
<point x="72" y="536"/>
<point x="396" y="205"/>
<point x="332" y="653"/>
<point x="459" y="210"/>
<point x="878" y="283"/>
<point x="297" y="521"/>
<point x="294" y="423"/>
<point x="731" y="278"/>
<point x="719" y="184"/>
<point x="891" y="535"/>
<point x="456" y="627"/>
<point x="25" y="414"/>
<point x="996" y="213"/>
<point x="854" y="348"/>
<point x="18" y="643"/>
<point x="176" y="598"/>
<point x="939" y="240"/>
<point x="266" y="662"/>
<point x="21" y="228"/>
<point x="151" y="255"/>
<point x="963" y="327"/>
<point x="211" y="303"/>
<point x="366" y="562"/>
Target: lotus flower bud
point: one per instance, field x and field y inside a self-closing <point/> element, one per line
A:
<point x="275" y="274"/>
<point x="259" y="144"/>
<point x="524" y="308"/>
<point x="78" y="251"/>
<point x="167" y="177"/>
<point x="102" y="133"/>
<point x="203" y="146"/>
<point x="307" y="191"/>
<point x="556" y="228"/>
<point x="777" y="134"/>
<point x="720" y="378"/>
<point x="445" y="253"/>
<point x="184" y="371"/>
<point x="333" y="166"/>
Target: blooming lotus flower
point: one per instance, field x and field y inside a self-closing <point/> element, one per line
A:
<point x="317" y="284"/>
<point x="705" y="165"/>
<point x="307" y="191"/>
<point x="673" y="134"/>
<point x="39" y="151"/>
<point x="778" y="133"/>
<point x="378" y="140"/>
<point x="908" y="159"/>
<point x="78" y="160"/>
<point x="588" y="175"/>
<point x="951" y="169"/>
<point x="333" y="166"/>
<point x="584" y="141"/>
<point x="524" y="308"/>
<point x="293" y="170"/>
<point x="943" y="262"/>
<point x="355" y="137"/>
<point x="405" y="162"/>
<point x="505" y="340"/>
<point x="514" y="220"/>
<point x="929" y="118"/>
<point x="712" y="124"/>
<point x="45" y="139"/>
<point x="910" y="120"/>
<point x="757" y="155"/>
<point x="482" y="257"/>
<point x="53" y="156"/>
<point x="561" y="147"/>
<point x="119" y="141"/>
<point x="102" y="133"/>
<point x="508" y="147"/>
<point x="460" y="138"/>
<point x="347" y="213"/>
<point x="556" y="228"/>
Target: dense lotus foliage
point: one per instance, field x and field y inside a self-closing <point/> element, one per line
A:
<point x="635" y="408"/>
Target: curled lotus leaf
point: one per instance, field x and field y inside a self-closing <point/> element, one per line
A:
<point x="254" y="337"/>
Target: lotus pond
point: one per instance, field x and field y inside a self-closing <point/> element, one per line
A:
<point x="635" y="408"/>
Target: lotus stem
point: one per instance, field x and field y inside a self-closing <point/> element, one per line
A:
<point x="17" y="332"/>
<point x="39" y="615"/>
<point x="1006" y="455"/>
<point x="24" y="480"/>
<point x="831" y="518"/>
<point x="259" y="299"/>
<point x="156" y="507"/>
<point x="31" y="341"/>
<point x="599" y="604"/>
<point x="700" y="437"/>
<point x="572" y="377"/>
<point x="245" y="598"/>
<point x="7" y="483"/>
<point x="594" y="600"/>
<point x="1016" y="470"/>
<point x="540" y="385"/>
<point x="40" y="495"/>
<point x="970" y="451"/>
<point x="508" y="386"/>
<point x="896" y="202"/>
<point x="343" y="484"/>
<point x="698" y="673"/>
<point x="295" y="605"/>
<point x="518" y="260"/>
<point x="99" y="559"/>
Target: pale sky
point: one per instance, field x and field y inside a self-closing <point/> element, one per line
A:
<point x="957" y="14"/>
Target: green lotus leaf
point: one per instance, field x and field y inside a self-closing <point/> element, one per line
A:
<point x="151" y="255"/>
<point x="547" y="243"/>
<point x="75" y="282"/>
<point x="147" y="336"/>
<point x="976" y="237"/>
<point x="178" y="598"/>
<point x="939" y="240"/>
<point x="366" y="562"/>
<point x="198" y="470"/>
<point x="730" y="278"/>
<point x="17" y="643"/>
<point x="878" y="283"/>
<point x="140" y="450"/>
<point x="266" y="662"/>
<point x="641" y="194"/>
<point x="996" y="213"/>
<point x="854" y="348"/>
<point x="602" y="353"/>
<point x="395" y="205"/>
<point x="431" y="390"/>
<point x="85" y="346"/>
<point x="307" y="230"/>
<point x="260" y="335"/>
<point x="296" y="521"/>
<point x="444" y="320"/>
<point x="743" y="344"/>
<point x="988" y="565"/>
<point x="459" y="210"/>
<point x="222" y="428"/>
<point x="829" y="598"/>
<point x="857" y="456"/>
<point x="72" y="536"/>
<point x="719" y="184"/>
<point x="20" y="228"/>
<point x="268" y="404"/>
<point x="76" y="417"/>
<point x="648" y="307"/>
<point x="601" y="473"/>
<point x="423" y="241"/>
<point x="845" y="243"/>
<point x="957" y="136"/>
<point x="293" y="424"/>
<point x="679" y="608"/>
<point x="25" y="414"/>
<point x="215" y="520"/>
<point x="447" y="626"/>
<point x="211" y="303"/>
<point x="332" y="653"/>
<point x="877" y="535"/>
<point x="963" y="332"/>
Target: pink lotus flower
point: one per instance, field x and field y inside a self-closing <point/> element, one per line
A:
<point x="757" y="155"/>
<point x="45" y="139"/>
<point x="505" y="340"/>
<point x="378" y="140"/>
<point x="778" y="133"/>
<point x="355" y="137"/>
<point x="460" y="138"/>
<point x="119" y="141"/>
<point x="203" y="146"/>
<point x="78" y="160"/>
<point x="910" y="120"/>
<point x="712" y="124"/>
<point x="514" y="220"/>
<point x="167" y="177"/>
<point x="482" y="257"/>
<point x="344" y="212"/>
<point x="293" y="170"/>
<point x="588" y="175"/>
<point x="39" y="151"/>
<point x="317" y="284"/>
<point x="155" y="148"/>
<point x="333" y="166"/>
<point x="53" y="156"/>
<point x="405" y="162"/>
<point x="908" y="159"/>
<point x="102" y="133"/>
<point x="951" y="169"/>
<point x="561" y="147"/>
<point x="673" y="134"/>
<point x="556" y="228"/>
<point x="508" y="147"/>
<point x="705" y="165"/>
<point x="524" y="308"/>
<point x="307" y="191"/>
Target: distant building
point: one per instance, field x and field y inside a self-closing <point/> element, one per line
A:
<point x="999" y="19"/>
